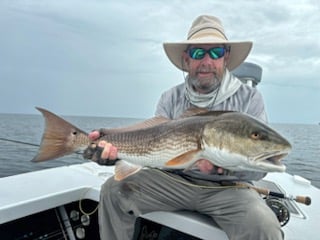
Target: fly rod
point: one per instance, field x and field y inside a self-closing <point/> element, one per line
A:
<point x="267" y="192"/>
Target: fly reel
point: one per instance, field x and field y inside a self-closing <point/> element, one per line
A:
<point x="280" y="209"/>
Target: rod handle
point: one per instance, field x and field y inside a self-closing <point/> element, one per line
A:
<point x="303" y="199"/>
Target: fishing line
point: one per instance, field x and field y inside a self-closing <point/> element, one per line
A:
<point x="31" y="144"/>
<point x="81" y="208"/>
<point x="87" y="213"/>
<point x="20" y="142"/>
<point x="192" y="184"/>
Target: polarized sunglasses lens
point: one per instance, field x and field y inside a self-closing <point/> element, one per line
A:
<point x="217" y="52"/>
<point x="197" y="53"/>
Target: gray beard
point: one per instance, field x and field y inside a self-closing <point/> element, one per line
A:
<point x="226" y="88"/>
<point x="201" y="100"/>
<point x="205" y="89"/>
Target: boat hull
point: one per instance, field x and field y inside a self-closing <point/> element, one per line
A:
<point x="46" y="201"/>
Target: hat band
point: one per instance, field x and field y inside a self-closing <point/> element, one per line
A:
<point x="202" y="34"/>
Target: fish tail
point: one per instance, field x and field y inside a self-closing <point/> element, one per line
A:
<point x="60" y="138"/>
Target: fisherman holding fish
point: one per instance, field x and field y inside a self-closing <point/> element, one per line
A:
<point x="206" y="58"/>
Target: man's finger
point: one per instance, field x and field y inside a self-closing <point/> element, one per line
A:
<point x="94" y="135"/>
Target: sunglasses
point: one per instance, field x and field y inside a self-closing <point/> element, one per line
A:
<point x="199" y="53"/>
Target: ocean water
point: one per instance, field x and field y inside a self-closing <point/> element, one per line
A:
<point x="304" y="160"/>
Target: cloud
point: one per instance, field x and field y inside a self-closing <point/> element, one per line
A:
<point x="72" y="55"/>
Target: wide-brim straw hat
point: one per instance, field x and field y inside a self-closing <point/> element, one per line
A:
<point x="208" y="30"/>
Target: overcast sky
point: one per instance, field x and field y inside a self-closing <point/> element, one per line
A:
<point x="105" y="58"/>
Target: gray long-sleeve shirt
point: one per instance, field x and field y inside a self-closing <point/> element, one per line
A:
<point x="246" y="99"/>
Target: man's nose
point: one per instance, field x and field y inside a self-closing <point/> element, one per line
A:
<point x="207" y="59"/>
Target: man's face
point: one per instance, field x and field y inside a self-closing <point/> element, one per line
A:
<point x="205" y="74"/>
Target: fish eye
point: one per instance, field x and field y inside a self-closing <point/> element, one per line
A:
<point x="255" y="135"/>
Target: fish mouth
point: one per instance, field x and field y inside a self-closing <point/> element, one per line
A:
<point x="276" y="159"/>
<point x="272" y="160"/>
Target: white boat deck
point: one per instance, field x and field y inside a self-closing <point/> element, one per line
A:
<point x="28" y="193"/>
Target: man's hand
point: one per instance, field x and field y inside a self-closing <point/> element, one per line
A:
<point x="207" y="167"/>
<point x="109" y="151"/>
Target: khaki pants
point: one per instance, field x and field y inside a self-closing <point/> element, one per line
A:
<point x="241" y="213"/>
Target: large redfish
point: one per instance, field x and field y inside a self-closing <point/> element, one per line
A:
<point x="231" y="140"/>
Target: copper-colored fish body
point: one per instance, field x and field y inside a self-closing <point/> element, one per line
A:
<point x="231" y="140"/>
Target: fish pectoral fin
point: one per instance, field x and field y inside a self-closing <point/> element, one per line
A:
<point x="182" y="159"/>
<point x="125" y="169"/>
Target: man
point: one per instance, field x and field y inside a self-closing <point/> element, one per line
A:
<point x="207" y="56"/>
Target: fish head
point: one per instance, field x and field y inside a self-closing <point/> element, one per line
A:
<point x="245" y="143"/>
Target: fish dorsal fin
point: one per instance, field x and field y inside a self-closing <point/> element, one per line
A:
<point x="137" y="126"/>
<point x="183" y="159"/>
<point x="193" y="112"/>
<point x="201" y="112"/>
<point x="125" y="169"/>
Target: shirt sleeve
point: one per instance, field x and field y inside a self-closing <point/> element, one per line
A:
<point x="256" y="107"/>
<point x="172" y="103"/>
<point x="163" y="105"/>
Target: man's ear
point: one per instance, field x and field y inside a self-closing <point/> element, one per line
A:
<point x="185" y="59"/>
<point x="226" y="58"/>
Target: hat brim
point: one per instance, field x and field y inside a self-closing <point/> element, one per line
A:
<point x="238" y="51"/>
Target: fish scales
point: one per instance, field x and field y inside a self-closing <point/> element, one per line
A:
<point x="231" y="140"/>
<point x="155" y="145"/>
